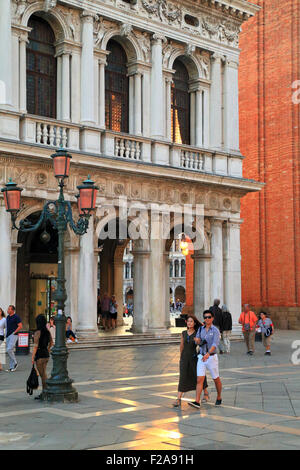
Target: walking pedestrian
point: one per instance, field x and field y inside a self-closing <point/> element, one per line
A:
<point x="188" y="361"/>
<point x="267" y="330"/>
<point x="113" y="311"/>
<point x="226" y="330"/>
<point x="248" y="320"/>
<point x="208" y="338"/>
<point x="42" y="343"/>
<point x="52" y="328"/>
<point x="2" y="328"/>
<point x="105" y="303"/>
<point x="217" y="312"/>
<point x="13" y="326"/>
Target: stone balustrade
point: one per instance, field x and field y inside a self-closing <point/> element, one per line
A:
<point x="105" y="143"/>
<point x="128" y="148"/>
<point x="192" y="160"/>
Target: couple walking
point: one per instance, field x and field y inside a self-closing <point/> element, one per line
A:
<point x="194" y="365"/>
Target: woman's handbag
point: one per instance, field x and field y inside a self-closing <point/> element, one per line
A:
<point x="32" y="381"/>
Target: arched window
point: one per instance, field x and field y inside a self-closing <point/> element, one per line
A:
<point x="180" y="105"/>
<point x="127" y="271"/>
<point x="176" y="268"/>
<point x="182" y="268"/>
<point x="132" y="270"/>
<point x="41" y="69"/>
<point x="171" y="269"/>
<point x="116" y="89"/>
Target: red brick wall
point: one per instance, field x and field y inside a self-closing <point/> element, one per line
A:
<point x="269" y="138"/>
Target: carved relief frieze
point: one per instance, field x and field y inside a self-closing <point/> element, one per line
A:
<point x="163" y="10"/>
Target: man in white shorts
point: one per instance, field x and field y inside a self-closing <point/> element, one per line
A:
<point x="208" y="337"/>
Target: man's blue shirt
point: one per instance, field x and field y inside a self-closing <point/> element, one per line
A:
<point x="212" y="336"/>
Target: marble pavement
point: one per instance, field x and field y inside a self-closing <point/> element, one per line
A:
<point x="126" y="400"/>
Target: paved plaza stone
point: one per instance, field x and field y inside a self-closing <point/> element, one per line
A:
<point x="126" y="395"/>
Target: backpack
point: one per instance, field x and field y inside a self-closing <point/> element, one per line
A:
<point x="32" y="381"/>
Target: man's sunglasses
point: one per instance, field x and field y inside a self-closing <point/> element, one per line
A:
<point x="205" y="318"/>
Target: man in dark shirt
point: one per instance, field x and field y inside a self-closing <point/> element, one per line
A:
<point x="215" y="309"/>
<point x="217" y="312"/>
<point x="13" y="326"/>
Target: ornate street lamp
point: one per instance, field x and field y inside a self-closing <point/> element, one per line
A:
<point x="184" y="246"/>
<point x="59" y="213"/>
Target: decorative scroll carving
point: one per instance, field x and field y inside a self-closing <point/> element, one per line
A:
<point x="162" y="9"/>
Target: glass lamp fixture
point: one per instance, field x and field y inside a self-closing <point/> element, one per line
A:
<point x="61" y="163"/>
<point x="87" y="196"/>
<point x="12" y="196"/>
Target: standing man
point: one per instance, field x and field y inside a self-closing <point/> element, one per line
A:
<point x="226" y="330"/>
<point x="208" y="338"/>
<point x="13" y="326"/>
<point x="248" y="320"/>
<point x="217" y="313"/>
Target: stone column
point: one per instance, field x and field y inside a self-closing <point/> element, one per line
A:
<point x="5" y="54"/>
<point x="65" y="92"/>
<point x="6" y="258"/>
<point x="193" y="117"/>
<point x="118" y="288"/>
<point x="16" y="69"/>
<point x="158" y="283"/>
<point x="87" y="285"/>
<point x="216" y="102"/>
<point x="202" y="294"/>
<point x="157" y="93"/>
<point x="72" y="269"/>
<point x="59" y="87"/>
<point x="232" y="269"/>
<point x="141" y="290"/>
<point x="102" y="64"/>
<point x="87" y="69"/>
<point x="206" y="122"/>
<point x="217" y="288"/>
<point x="75" y="87"/>
<point x="146" y="103"/>
<point x="131" y="105"/>
<point x="199" y="118"/>
<point x="138" y="103"/>
<point x="168" y="107"/>
<point x="23" y="40"/>
<point x="14" y="259"/>
<point x="167" y="290"/>
<point x="231" y="106"/>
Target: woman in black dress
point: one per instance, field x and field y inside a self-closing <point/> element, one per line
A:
<point x="188" y="361"/>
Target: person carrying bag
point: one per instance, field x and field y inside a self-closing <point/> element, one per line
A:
<point x="248" y="320"/>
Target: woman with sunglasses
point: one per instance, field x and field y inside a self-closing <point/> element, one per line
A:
<point x="188" y="361"/>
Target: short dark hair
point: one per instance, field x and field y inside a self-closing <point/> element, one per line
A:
<point x="208" y="311"/>
<point x="13" y="307"/>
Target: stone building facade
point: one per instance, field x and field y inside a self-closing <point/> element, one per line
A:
<point x="144" y="94"/>
<point x="269" y="129"/>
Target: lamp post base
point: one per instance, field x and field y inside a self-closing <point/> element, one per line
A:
<point x="70" y="396"/>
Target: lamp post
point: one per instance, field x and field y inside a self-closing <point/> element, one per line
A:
<point x="59" y="213"/>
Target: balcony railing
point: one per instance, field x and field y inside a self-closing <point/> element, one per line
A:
<point x="105" y="143"/>
<point x="128" y="148"/>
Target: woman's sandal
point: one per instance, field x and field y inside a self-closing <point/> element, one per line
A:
<point x="177" y="403"/>
<point x="206" y="397"/>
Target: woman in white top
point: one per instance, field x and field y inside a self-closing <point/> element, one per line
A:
<point x="52" y="328"/>
<point x="2" y="328"/>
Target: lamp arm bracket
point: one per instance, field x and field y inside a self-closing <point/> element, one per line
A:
<point x="80" y="227"/>
<point x="47" y="214"/>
